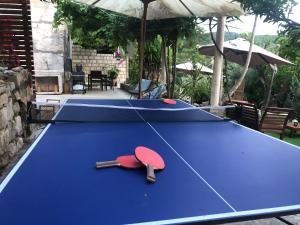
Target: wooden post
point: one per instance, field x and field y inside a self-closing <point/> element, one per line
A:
<point x="25" y="18"/>
<point x="174" y="50"/>
<point x="218" y="64"/>
<point x="142" y="47"/>
<point x="163" y="60"/>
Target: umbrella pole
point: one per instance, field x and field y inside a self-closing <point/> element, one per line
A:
<point x="142" y="47"/>
<point x="218" y="64"/>
<point x="274" y="69"/>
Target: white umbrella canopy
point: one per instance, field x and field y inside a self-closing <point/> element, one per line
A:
<point x="237" y="50"/>
<point x="163" y="9"/>
<point x="188" y="67"/>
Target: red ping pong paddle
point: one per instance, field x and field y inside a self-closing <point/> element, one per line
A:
<point x="151" y="159"/>
<point x="126" y="161"/>
<point x="169" y="101"/>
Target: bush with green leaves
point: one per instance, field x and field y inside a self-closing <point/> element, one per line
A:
<point x="293" y="100"/>
<point x="113" y="72"/>
<point x="196" y="89"/>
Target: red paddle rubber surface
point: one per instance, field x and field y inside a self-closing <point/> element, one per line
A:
<point x="169" y="101"/>
<point x="148" y="156"/>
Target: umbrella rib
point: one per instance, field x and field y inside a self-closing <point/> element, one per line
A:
<point x="187" y="8"/>
<point x="95" y="2"/>
<point x="266" y="61"/>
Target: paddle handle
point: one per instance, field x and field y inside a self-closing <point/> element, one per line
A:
<point x="107" y="164"/>
<point x="150" y="174"/>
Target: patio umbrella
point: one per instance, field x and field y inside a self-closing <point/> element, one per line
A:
<point x="163" y="9"/>
<point x="237" y="50"/>
<point x="188" y="68"/>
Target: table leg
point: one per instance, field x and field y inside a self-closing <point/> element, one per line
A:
<point x="292" y="133"/>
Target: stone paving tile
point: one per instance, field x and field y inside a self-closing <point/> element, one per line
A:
<point x="294" y="219"/>
<point x="272" y="221"/>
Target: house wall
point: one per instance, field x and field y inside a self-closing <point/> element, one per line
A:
<point x="90" y="60"/>
<point x="48" y="42"/>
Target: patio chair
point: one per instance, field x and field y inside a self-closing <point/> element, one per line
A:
<point x="245" y="113"/>
<point x="94" y="77"/>
<point x="249" y="116"/>
<point x="146" y="84"/>
<point x="106" y="81"/>
<point x="156" y="92"/>
<point x="274" y="120"/>
<point x="233" y="113"/>
<point x="78" y="82"/>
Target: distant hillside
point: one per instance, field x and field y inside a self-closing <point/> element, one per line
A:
<point x="260" y="40"/>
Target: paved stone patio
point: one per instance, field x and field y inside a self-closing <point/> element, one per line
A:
<point x="92" y="94"/>
<point x="295" y="219"/>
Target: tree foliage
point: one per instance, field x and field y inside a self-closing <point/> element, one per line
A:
<point x="95" y="28"/>
<point x="272" y="10"/>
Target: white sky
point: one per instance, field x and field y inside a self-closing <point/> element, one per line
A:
<point x="262" y="28"/>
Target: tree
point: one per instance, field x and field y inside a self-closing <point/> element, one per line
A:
<point x="170" y="31"/>
<point x="248" y="60"/>
<point x="293" y="99"/>
<point x="274" y="11"/>
<point x="286" y="84"/>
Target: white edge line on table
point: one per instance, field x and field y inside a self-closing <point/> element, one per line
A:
<point x="229" y="215"/>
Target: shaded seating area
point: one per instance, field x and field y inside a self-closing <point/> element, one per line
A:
<point x="273" y="120"/>
<point x="100" y="79"/>
<point x="146" y="85"/>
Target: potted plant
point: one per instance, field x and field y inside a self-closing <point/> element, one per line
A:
<point x="295" y="122"/>
<point x="113" y="75"/>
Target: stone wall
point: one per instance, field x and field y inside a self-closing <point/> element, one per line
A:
<point x="15" y="92"/>
<point x="90" y="60"/>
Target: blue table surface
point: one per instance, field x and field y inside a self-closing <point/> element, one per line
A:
<point x="213" y="171"/>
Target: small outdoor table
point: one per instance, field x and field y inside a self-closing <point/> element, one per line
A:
<point x="293" y="129"/>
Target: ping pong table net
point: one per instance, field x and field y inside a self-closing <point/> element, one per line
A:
<point x="39" y="112"/>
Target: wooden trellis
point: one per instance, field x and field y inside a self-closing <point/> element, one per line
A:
<point x="16" y="34"/>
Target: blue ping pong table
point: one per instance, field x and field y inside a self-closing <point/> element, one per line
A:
<point x="215" y="172"/>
